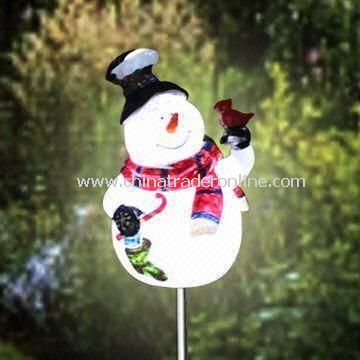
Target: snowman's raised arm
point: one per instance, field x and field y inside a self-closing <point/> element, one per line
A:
<point x="245" y="159"/>
<point x="238" y="164"/>
<point x="238" y="136"/>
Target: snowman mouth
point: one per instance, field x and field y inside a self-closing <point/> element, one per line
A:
<point x="177" y="146"/>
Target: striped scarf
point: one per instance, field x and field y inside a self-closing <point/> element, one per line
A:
<point x="197" y="169"/>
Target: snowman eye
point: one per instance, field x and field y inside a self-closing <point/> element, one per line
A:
<point x="162" y="118"/>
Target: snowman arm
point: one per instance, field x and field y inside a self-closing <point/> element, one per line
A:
<point x="238" y="164"/>
<point x="245" y="159"/>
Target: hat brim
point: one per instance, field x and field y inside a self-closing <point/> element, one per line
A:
<point x="138" y="99"/>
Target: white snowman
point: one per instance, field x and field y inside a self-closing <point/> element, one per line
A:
<point x="175" y="207"/>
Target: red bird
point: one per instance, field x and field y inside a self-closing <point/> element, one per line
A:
<point x="230" y="118"/>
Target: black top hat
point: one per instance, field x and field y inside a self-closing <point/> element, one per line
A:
<point x="132" y="70"/>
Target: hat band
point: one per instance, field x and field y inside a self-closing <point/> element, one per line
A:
<point x="138" y="80"/>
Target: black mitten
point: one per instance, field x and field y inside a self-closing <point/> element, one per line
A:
<point x="238" y="138"/>
<point x="127" y="220"/>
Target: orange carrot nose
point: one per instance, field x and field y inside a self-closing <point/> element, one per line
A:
<point x="173" y="123"/>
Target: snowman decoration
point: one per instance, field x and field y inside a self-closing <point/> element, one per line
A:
<point x="176" y="204"/>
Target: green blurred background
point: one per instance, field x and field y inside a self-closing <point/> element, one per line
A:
<point x="294" y="291"/>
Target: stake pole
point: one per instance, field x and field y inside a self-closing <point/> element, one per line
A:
<point x="181" y="324"/>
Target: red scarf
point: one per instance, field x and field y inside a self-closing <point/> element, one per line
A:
<point x="198" y="169"/>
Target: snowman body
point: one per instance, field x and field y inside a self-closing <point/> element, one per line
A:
<point x="153" y="139"/>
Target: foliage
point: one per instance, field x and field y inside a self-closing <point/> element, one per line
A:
<point x="299" y="258"/>
<point x="317" y="43"/>
<point x="293" y="292"/>
<point x="10" y="353"/>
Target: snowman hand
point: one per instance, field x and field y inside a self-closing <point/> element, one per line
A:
<point x="238" y="138"/>
<point x="127" y="220"/>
